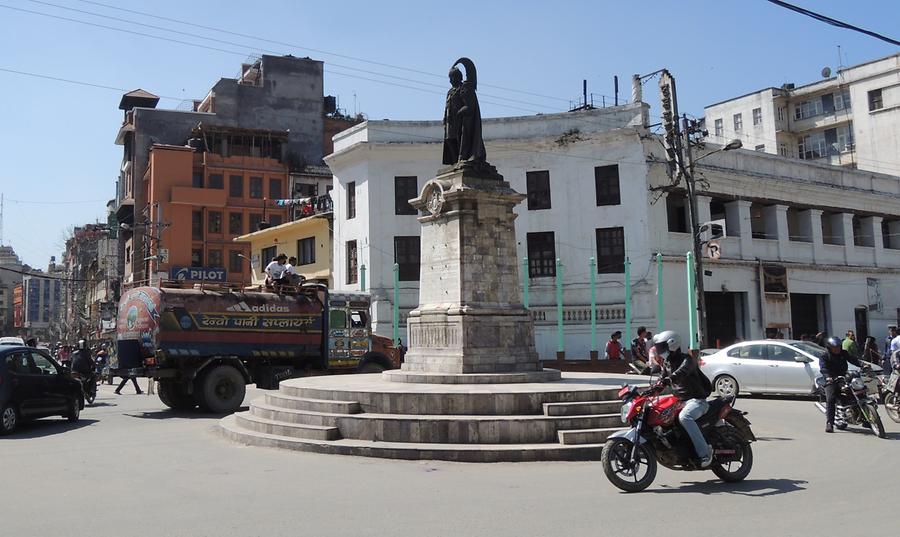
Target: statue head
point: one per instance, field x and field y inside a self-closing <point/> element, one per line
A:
<point x="456" y="76"/>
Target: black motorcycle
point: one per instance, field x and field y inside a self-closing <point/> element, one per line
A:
<point x="88" y="385"/>
<point x="854" y="406"/>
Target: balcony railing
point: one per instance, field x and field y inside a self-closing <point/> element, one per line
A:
<point x="305" y="207"/>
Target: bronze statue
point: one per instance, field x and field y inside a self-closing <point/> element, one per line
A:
<point x="462" y="118"/>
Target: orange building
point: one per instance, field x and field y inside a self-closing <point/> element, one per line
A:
<point x="201" y="196"/>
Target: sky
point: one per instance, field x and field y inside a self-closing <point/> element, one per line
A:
<point x="386" y="59"/>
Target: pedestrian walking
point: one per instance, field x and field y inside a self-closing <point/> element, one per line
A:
<point x="133" y="380"/>
<point x="850" y="345"/>
<point x="892" y="333"/>
<point x="870" y="351"/>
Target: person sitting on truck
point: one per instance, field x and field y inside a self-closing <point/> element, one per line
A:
<point x="275" y="272"/>
<point x="291" y="274"/>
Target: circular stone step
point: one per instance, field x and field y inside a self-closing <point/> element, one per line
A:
<point x="399" y="375"/>
<point x="412" y="451"/>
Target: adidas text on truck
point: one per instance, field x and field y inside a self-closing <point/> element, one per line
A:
<point x="265" y="308"/>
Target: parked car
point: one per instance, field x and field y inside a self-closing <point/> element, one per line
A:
<point x="12" y="340"/>
<point x="32" y="386"/>
<point x="780" y="366"/>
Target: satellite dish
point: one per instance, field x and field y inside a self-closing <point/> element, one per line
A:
<point x="826" y="72"/>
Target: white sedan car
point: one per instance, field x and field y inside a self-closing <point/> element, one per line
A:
<point x="766" y="366"/>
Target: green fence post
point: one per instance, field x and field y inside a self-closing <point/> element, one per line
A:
<point x="660" y="304"/>
<point x="396" y="320"/>
<point x="627" y="337"/>
<point x="560" y="343"/>
<point x="593" y="270"/>
<point x="692" y="301"/>
<point x="362" y="277"/>
<point x="525" y="281"/>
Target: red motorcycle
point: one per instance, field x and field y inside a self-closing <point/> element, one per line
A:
<point x="630" y="456"/>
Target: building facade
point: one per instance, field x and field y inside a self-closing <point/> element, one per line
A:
<point x="809" y="247"/>
<point x="850" y="119"/>
<point x="8" y="279"/>
<point x="273" y="115"/>
<point x="307" y="238"/>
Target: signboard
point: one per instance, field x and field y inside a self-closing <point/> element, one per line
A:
<point x="873" y="293"/>
<point x="669" y="102"/>
<point x="713" y="250"/>
<point x="775" y="279"/>
<point x="206" y="274"/>
<point x="163" y="255"/>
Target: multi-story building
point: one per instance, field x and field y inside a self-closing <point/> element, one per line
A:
<point x="42" y="295"/>
<point x="850" y="119"/>
<point x="809" y="247"/>
<point x="8" y="279"/>
<point x="201" y="198"/>
<point x="262" y="126"/>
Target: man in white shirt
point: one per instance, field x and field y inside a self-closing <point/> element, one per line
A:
<point x="275" y="271"/>
<point x="290" y="273"/>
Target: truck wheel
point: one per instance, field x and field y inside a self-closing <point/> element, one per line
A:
<point x="370" y="367"/>
<point x="221" y="389"/>
<point x="174" y="395"/>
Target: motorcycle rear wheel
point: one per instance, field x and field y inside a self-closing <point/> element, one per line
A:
<point x="892" y="406"/>
<point x="616" y="462"/>
<point x="728" y="473"/>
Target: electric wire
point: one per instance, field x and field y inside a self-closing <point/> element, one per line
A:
<point x="833" y="22"/>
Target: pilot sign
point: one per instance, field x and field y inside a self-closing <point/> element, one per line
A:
<point x="205" y="274"/>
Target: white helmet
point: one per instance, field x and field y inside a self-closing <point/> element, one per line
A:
<point x="666" y="341"/>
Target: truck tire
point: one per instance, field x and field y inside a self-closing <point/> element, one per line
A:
<point x="174" y="395"/>
<point x="221" y="389"/>
<point x="370" y="367"/>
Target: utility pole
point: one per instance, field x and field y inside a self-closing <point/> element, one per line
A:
<point x="688" y="129"/>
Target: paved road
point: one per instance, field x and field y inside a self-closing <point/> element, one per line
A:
<point x="132" y="468"/>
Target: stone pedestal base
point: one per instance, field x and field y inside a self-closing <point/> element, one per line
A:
<point x="470" y="342"/>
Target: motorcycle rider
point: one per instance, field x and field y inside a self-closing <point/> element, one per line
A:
<point x="833" y="363"/>
<point x="82" y="362"/>
<point x="690" y="385"/>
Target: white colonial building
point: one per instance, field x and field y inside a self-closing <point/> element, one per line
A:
<point x="850" y="119"/>
<point x="810" y="247"/>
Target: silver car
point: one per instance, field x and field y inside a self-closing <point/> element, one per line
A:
<point x="766" y="366"/>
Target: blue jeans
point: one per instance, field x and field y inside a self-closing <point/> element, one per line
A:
<point x="692" y="411"/>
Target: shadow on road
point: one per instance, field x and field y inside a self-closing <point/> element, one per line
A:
<point x="184" y="414"/>
<point x="46" y="427"/>
<point x="750" y="487"/>
<point x="99" y="404"/>
<point x="867" y="432"/>
<point x="774" y="439"/>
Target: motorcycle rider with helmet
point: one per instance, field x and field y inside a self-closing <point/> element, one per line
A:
<point x="833" y="363"/>
<point x="690" y="385"/>
<point x="82" y="362"/>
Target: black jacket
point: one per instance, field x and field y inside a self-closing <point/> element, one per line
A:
<point x="688" y="382"/>
<point x="82" y="362"/>
<point x="835" y="365"/>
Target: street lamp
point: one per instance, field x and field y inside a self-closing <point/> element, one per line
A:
<point x="695" y="225"/>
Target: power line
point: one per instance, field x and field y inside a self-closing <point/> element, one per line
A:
<point x="833" y="22"/>
<point x="55" y="202"/>
<point x="317" y="51"/>
<point x="269" y="51"/>
<point x="244" y="54"/>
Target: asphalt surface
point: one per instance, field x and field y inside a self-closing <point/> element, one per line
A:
<point x="132" y="467"/>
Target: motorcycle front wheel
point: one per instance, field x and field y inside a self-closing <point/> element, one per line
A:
<point x="892" y="406"/>
<point x="870" y="412"/>
<point x="625" y="474"/>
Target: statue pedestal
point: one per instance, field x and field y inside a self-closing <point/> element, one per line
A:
<point x="470" y="326"/>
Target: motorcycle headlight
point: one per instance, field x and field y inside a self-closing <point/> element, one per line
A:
<point x="857" y="385"/>
<point x="626" y="409"/>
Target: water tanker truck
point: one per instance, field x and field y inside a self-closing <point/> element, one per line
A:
<point x="204" y="345"/>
